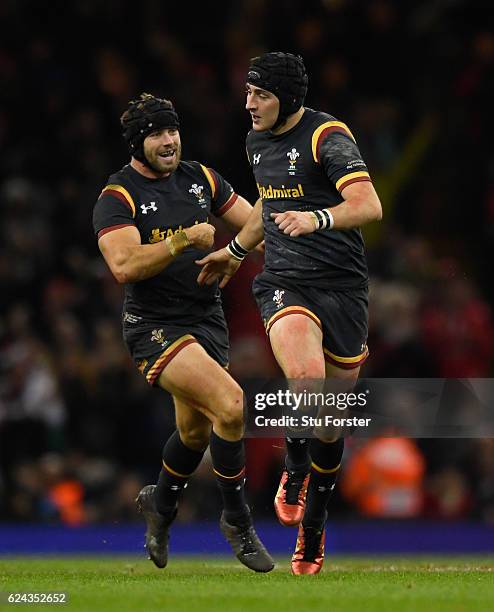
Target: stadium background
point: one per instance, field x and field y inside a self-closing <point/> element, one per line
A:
<point x="80" y="431"/>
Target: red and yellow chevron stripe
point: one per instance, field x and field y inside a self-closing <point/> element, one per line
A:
<point x="162" y="361"/>
<point x="323" y="130"/>
<point x="353" y="177"/>
<point x="346" y="363"/>
<point x="122" y="194"/>
<point x="211" y="180"/>
<point x="292" y="310"/>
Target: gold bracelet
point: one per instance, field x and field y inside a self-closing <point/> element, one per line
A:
<point x="177" y="243"/>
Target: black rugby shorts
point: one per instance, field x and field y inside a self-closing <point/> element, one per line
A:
<point x="153" y="344"/>
<point x="342" y="316"/>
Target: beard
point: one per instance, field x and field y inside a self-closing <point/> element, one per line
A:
<point x="165" y="165"/>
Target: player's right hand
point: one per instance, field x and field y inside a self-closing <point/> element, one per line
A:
<point x="201" y="235"/>
<point x="217" y="265"/>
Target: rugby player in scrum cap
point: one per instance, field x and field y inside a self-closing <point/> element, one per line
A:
<point x="314" y="194"/>
<point x="152" y="223"/>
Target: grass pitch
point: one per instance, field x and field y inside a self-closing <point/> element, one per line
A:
<point x="201" y="585"/>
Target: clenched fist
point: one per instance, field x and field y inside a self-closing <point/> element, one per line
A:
<point x="295" y="223"/>
<point x="201" y="235"/>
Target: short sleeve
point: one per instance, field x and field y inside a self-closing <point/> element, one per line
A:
<point x="335" y="149"/>
<point x="222" y="195"/>
<point x="114" y="209"/>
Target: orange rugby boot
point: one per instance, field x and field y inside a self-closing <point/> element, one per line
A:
<point x="309" y="550"/>
<point x="289" y="502"/>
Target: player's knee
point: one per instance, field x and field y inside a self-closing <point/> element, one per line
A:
<point x="309" y="368"/>
<point x="195" y="437"/>
<point x="230" y="414"/>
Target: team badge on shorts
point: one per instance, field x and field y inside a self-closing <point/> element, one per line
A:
<point x="158" y="336"/>
<point x="278" y="298"/>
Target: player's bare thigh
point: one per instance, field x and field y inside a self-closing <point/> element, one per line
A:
<point x="197" y="379"/>
<point x="296" y="341"/>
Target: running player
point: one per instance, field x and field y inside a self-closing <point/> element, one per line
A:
<point x="314" y="194"/>
<point x="152" y="223"/>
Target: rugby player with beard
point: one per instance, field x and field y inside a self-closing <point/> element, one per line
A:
<point x="152" y="221"/>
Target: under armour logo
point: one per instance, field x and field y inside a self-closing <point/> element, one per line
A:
<point x="256" y="158"/>
<point x="152" y="206"/>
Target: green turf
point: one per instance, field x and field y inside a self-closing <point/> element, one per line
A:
<point x="200" y="585"/>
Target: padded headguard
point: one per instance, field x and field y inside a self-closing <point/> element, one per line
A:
<point x="144" y="116"/>
<point x="284" y="75"/>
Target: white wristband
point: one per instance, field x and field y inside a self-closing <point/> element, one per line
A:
<point x="236" y="250"/>
<point x="324" y="219"/>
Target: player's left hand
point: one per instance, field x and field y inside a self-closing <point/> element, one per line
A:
<point x="219" y="265"/>
<point x="295" y="223"/>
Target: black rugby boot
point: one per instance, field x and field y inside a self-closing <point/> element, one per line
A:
<point x="157" y="524"/>
<point x="246" y="544"/>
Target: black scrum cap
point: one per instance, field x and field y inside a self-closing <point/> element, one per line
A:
<point x="284" y="75"/>
<point x="143" y="116"/>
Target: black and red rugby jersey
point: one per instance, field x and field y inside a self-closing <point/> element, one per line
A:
<point x="306" y="168"/>
<point x="158" y="208"/>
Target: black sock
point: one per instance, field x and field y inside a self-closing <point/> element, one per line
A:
<point x="326" y="460"/>
<point x="179" y="463"/>
<point x="298" y="457"/>
<point x="229" y="467"/>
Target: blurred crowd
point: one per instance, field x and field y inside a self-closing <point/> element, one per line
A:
<point x="80" y="431"/>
